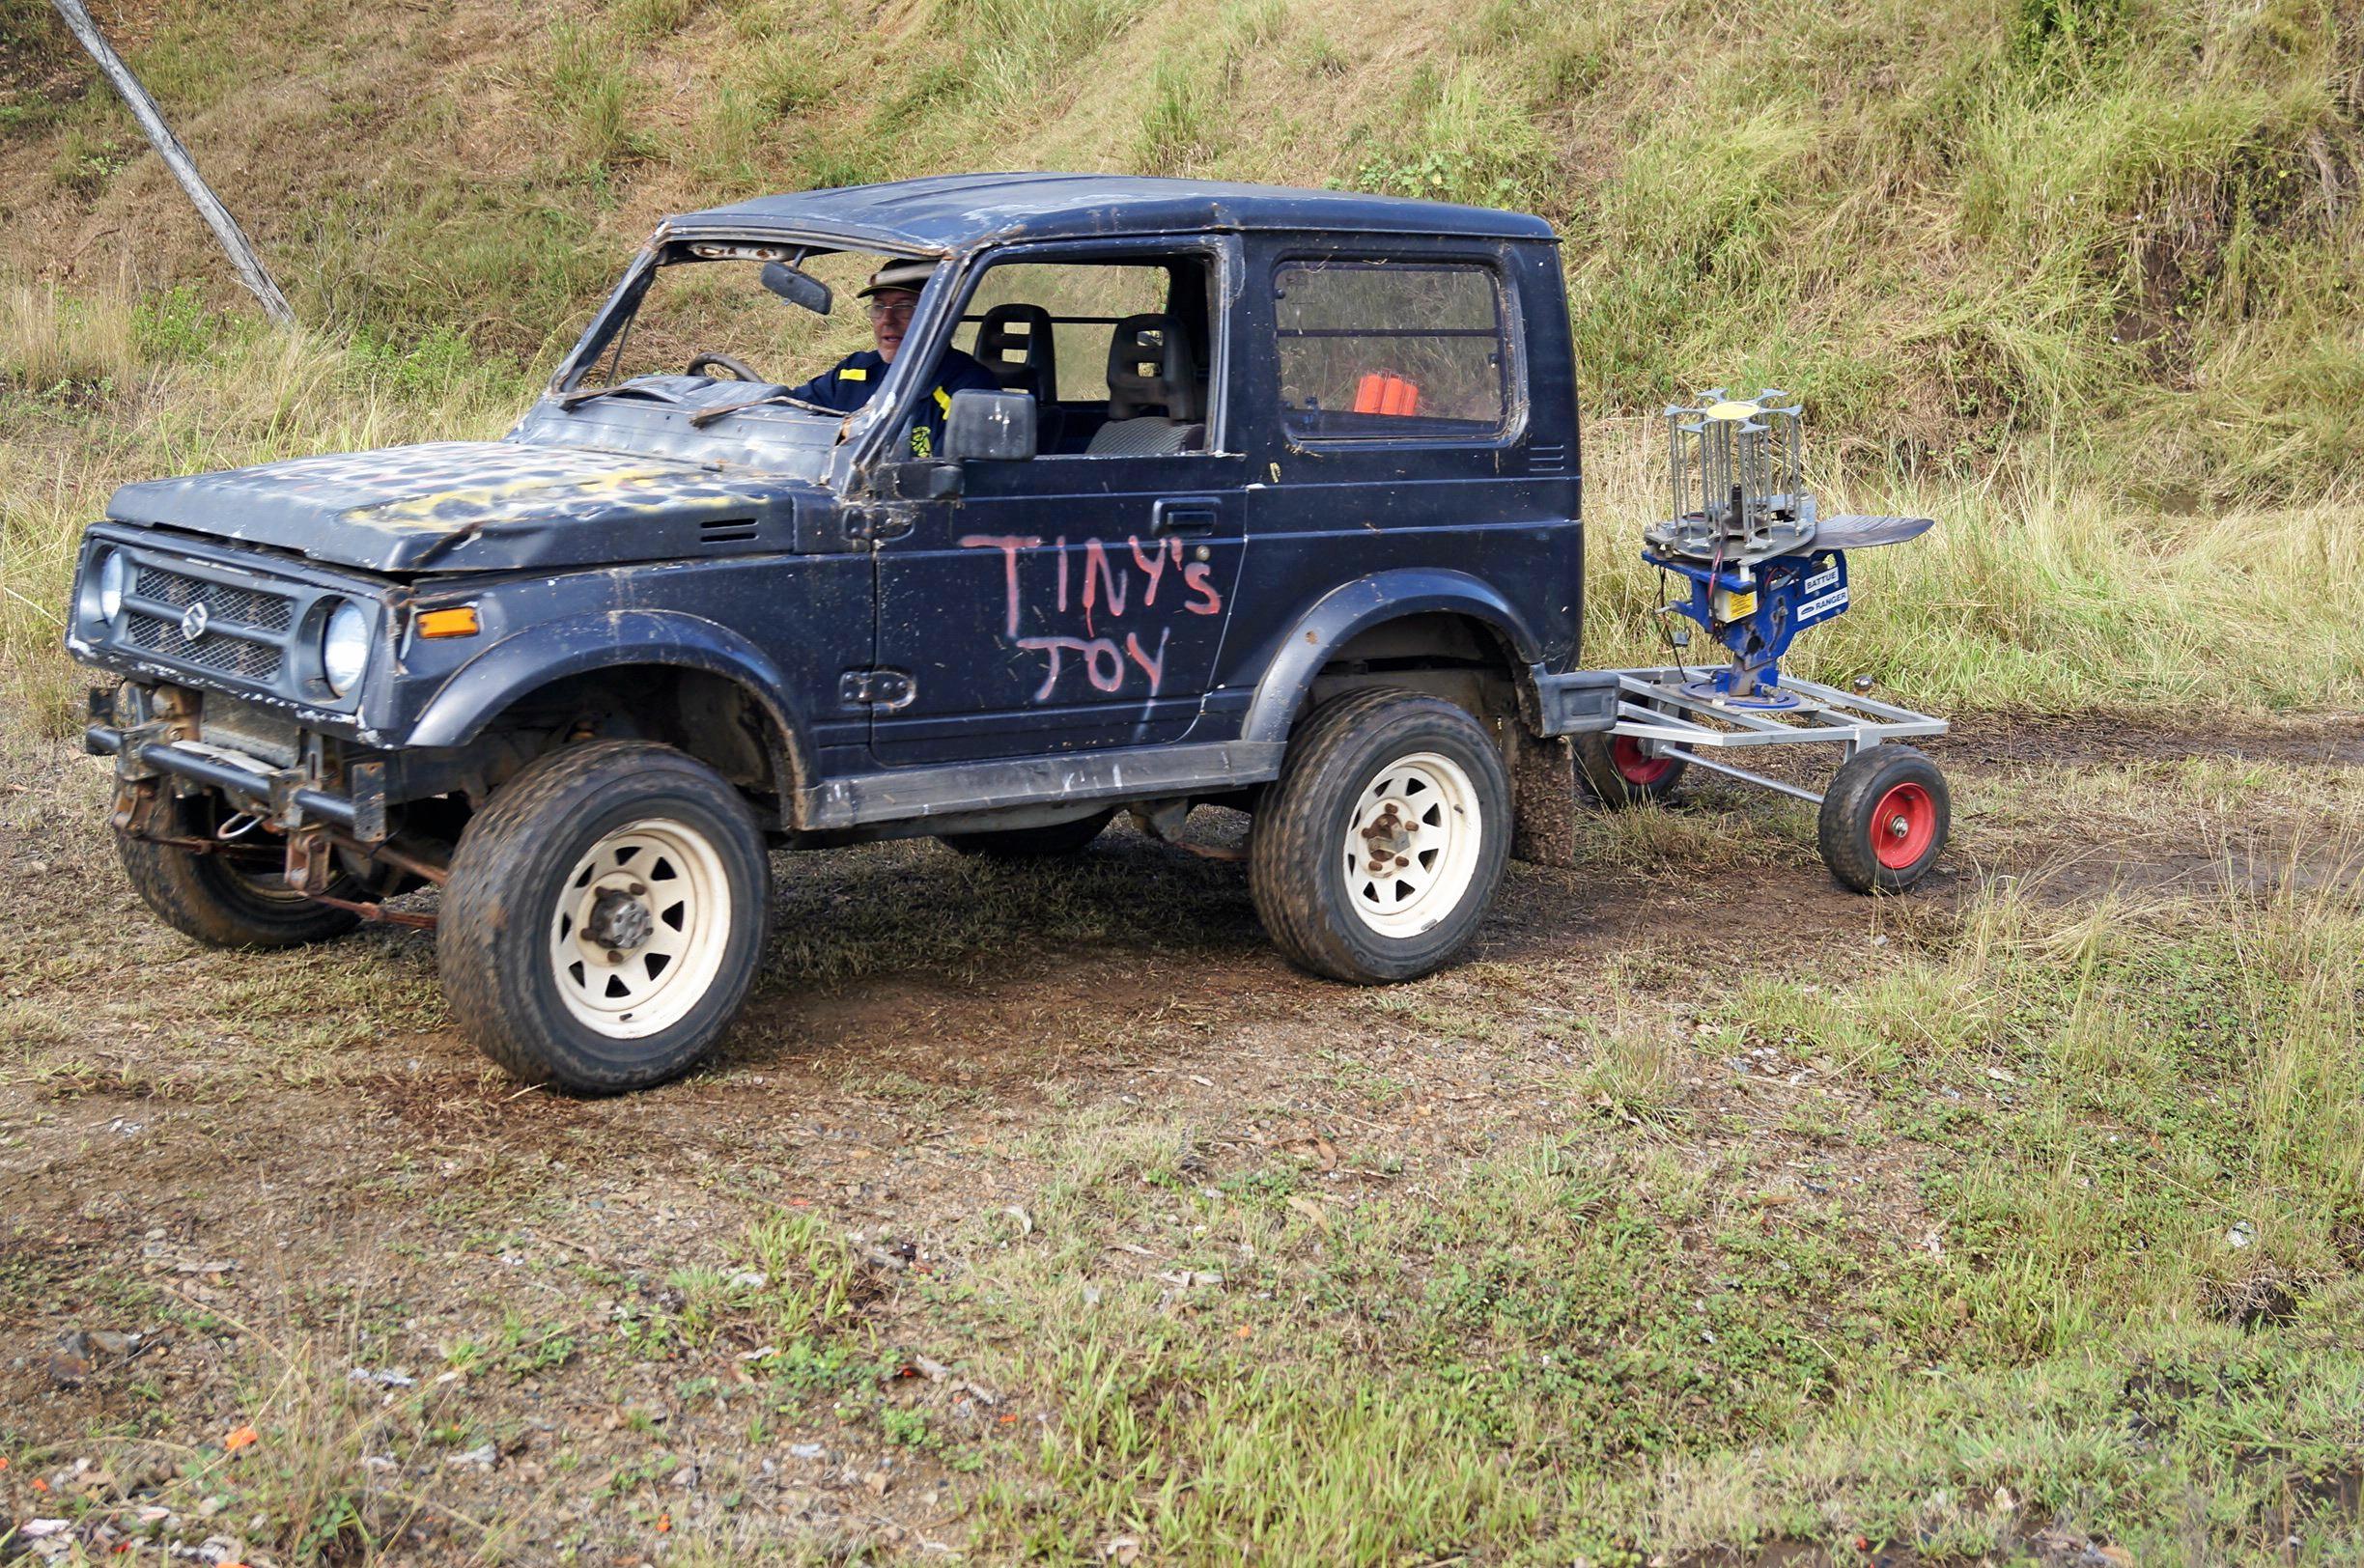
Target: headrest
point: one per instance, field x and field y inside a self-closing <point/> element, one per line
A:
<point x="1014" y="342"/>
<point x="1150" y="366"/>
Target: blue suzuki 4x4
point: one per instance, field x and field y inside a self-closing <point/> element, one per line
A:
<point x="1168" y="493"/>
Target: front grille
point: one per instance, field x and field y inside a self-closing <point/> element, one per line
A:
<point x="215" y="650"/>
<point x="264" y="612"/>
<point x="252" y="622"/>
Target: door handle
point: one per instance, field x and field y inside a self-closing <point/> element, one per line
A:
<point x="1184" y="514"/>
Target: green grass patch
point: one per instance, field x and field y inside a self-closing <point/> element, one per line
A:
<point x="2104" y="1268"/>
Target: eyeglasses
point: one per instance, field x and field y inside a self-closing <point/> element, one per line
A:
<point x="881" y="310"/>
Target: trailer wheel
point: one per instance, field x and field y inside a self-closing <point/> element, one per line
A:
<point x="221" y="901"/>
<point x="1377" y="851"/>
<point x="605" y="918"/>
<point x="1619" y="773"/>
<point x="1029" y="843"/>
<point x="1884" y="819"/>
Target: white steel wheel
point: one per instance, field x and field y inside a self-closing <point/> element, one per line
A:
<point x="640" y="929"/>
<point x="1412" y="844"/>
<point x="1376" y="851"/>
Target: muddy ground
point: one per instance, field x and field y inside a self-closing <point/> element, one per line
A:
<point x="247" y="1181"/>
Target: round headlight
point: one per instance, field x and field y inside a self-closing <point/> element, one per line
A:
<point x="343" y="647"/>
<point x="111" y="574"/>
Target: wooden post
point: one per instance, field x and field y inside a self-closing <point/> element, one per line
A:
<point x="250" y="269"/>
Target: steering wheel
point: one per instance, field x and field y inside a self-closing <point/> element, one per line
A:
<point x="739" y="369"/>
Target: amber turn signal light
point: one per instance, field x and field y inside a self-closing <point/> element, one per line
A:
<point x="453" y="623"/>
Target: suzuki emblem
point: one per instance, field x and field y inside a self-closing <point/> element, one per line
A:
<point x="194" y="624"/>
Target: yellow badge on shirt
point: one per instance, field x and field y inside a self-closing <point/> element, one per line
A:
<point x="853" y="373"/>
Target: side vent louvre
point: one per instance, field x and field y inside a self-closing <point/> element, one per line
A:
<point x="723" y="530"/>
<point x="1547" y="457"/>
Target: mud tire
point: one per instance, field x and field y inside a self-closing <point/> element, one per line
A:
<point x="1029" y="843"/>
<point x="208" y="898"/>
<point x="520" y="857"/>
<point x="1884" y="819"/>
<point x="1296" y="861"/>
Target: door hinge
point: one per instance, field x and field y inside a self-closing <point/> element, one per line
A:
<point x="876" y="689"/>
<point x="875" y="523"/>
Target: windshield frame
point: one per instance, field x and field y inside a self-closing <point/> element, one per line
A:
<point x="668" y="248"/>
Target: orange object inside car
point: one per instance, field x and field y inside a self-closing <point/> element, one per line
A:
<point x="1384" y="392"/>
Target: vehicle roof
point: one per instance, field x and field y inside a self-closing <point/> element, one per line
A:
<point x="959" y="211"/>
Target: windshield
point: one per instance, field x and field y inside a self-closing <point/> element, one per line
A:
<point x="720" y="309"/>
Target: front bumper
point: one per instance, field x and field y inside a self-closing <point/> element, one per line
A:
<point x="151" y="746"/>
<point x="281" y="795"/>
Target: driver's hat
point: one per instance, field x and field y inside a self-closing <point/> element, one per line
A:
<point x="910" y="275"/>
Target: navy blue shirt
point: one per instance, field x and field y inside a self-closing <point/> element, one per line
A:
<point x="848" y="385"/>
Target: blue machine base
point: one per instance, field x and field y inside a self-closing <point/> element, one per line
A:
<point x="1787" y="594"/>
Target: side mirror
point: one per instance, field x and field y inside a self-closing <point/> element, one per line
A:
<point x="997" y="427"/>
<point x="796" y="287"/>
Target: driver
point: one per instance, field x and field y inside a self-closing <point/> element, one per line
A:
<point x="893" y="290"/>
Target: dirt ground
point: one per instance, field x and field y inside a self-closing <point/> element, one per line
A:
<point x="240" y="1187"/>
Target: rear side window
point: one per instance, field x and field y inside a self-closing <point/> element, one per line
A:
<point x="1389" y="350"/>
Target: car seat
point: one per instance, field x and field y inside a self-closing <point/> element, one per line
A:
<point x="1014" y="342"/>
<point x="1150" y="366"/>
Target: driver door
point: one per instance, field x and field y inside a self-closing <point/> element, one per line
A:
<point x="1075" y="600"/>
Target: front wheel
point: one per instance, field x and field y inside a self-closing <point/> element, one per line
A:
<point x="1380" y="845"/>
<point x="1884" y="819"/>
<point x="605" y="918"/>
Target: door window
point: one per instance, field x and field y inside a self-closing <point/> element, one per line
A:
<point x="1082" y="303"/>
<point x="1119" y="354"/>
<point x="1389" y="350"/>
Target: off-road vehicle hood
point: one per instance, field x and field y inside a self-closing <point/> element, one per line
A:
<point x="450" y="506"/>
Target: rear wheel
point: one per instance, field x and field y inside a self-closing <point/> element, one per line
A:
<point x="1029" y="843"/>
<point x="1377" y="851"/>
<point x="232" y="895"/>
<point x="1884" y="819"/>
<point x="1620" y="772"/>
<point x="605" y="918"/>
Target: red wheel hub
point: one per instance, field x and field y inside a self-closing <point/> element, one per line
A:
<point x="1904" y="825"/>
<point x="1635" y="765"/>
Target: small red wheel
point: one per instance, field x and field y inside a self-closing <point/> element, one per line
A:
<point x="1904" y="825"/>
<point x="1635" y="766"/>
<point x="1619" y="771"/>
<point x="1884" y="819"/>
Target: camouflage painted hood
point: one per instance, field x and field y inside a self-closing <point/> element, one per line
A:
<point x="453" y="506"/>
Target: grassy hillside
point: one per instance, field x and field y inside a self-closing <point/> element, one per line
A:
<point x="2132" y="224"/>
<point x="2083" y="277"/>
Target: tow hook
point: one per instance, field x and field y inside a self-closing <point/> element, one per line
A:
<point x="310" y="861"/>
